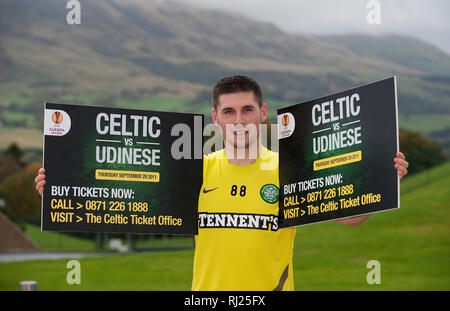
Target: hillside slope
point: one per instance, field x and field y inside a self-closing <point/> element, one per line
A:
<point x="411" y="244"/>
<point x="141" y="49"/>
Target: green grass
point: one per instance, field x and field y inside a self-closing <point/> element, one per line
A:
<point x="61" y="242"/>
<point x="28" y="118"/>
<point x="55" y="241"/>
<point x="157" y="103"/>
<point x="424" y="124"/>
<point x="81" y="99"/>
<point x="142" y="271"/>
<point x="412" y="245"/>
<point x="21" y="100"/>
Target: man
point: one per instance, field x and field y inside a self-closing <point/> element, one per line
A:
<point x="239" y="245"/>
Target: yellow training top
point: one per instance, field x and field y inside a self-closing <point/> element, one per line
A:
<point x="239" y="245"/>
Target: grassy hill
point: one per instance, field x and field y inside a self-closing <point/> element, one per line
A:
<point x="131" y="52"/>
<point x="406" y="51"/>
<point x="412" y="245"/>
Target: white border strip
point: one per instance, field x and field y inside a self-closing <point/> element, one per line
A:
<point x="398" y="145"/>
<point x="43" y="165"/>
<point x="108" y="141"/>
<point x="145" y="143"/>
<point x="351" y="122"/>
<point x="321" y="130"/>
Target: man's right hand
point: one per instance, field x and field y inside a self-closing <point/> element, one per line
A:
<point x="40" y="180"/>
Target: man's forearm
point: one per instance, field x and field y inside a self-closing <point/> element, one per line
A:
<point x="353" y="221"/>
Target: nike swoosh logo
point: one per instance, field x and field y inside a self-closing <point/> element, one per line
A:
<point x="206" y="191"/>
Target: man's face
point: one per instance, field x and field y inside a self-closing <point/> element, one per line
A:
<point x="239" y="116"/>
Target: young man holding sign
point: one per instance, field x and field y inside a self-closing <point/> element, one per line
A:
<point x="239" y="245"/>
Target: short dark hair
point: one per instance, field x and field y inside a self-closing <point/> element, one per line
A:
<point x="236" y="84"/>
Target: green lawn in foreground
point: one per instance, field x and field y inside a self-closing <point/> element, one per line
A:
<point x="142" y="271"/>
<point x="61" y="242"/>
<point x="412" y="245"/>
<point x="55" y="241"/>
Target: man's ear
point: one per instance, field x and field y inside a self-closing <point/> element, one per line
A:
<point x="263" y="112"/>
<point x="214" y="116"/>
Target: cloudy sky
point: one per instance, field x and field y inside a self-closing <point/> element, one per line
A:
<point x="423" y="19"/>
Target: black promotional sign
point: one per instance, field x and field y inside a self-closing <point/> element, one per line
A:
<point x="121" y="170"/>
<point x="336" y="155"/>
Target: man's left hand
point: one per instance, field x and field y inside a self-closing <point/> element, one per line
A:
<point x="401" y="165"/>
